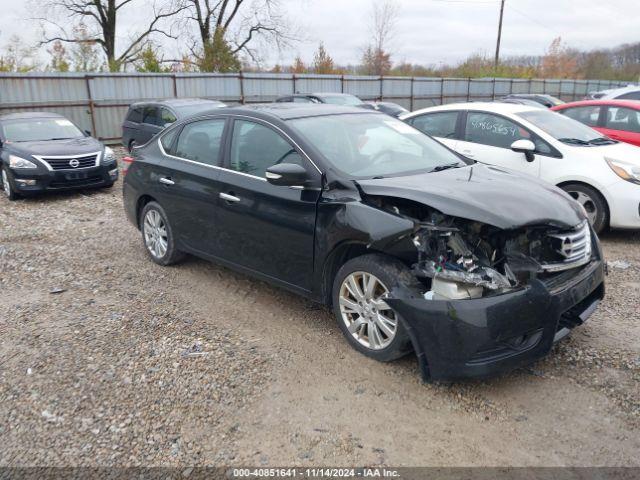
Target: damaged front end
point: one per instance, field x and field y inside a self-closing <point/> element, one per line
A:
<point x="463" y="259"/>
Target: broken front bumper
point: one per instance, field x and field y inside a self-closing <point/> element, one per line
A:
<point x="490" y="335"/>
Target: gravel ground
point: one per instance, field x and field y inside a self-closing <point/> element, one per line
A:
<point x="108" y="359"/>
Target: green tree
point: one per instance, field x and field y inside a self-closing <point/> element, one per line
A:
<point x="298" y="66"/>
<point x="85" y="56"/>
<point x="322" y="62"/>
<point x="59" y="58"/>
<point x="16" y="57"/>
<point x="218" y="56"/>
<point x="150" y="61"/>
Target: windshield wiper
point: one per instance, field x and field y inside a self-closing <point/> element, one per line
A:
<point x="439" y="168"/>
<point x="602" y="141"/>
<point x="573" y="141"/>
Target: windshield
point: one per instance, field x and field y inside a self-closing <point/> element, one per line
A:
<point x="186" y="111"/>
<point x="35" y="129"/>
<point x="374" y="145"/>
<point x="341" y="100"/>
<point x="560" y="127"/>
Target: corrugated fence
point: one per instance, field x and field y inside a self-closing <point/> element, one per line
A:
<point x="98" y="102"/>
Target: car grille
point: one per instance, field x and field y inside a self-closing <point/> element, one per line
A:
<point x="71" y="163"/>
<point x="572" y="246"/>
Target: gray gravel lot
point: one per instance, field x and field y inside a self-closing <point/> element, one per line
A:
<point x="108" y="359"/>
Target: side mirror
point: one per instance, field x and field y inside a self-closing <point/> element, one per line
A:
<point x="87" y="133"/>
<point x="524" y="146"/>
<point x="287" y="175"/>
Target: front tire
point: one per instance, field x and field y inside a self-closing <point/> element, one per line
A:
<point x="592" y="201"/>
<point x="157" y="235"/>
<point x="7" y="180"/>
<point x="367" y="322"/>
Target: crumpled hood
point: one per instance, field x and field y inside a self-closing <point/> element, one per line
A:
<point x="486" y="194"/>
<point x="74" y="146"/>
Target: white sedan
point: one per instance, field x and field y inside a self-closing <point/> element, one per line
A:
<point x="600" y="173"/>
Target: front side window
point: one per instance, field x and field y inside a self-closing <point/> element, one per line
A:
<point x="369" y="145"/>
<point x="441" y="124"/>
<point x="587" y="115"/>
<point x="493" y="130"/>
<point x="256" y="147"/>
<point x="200" y="141"/>
<point x="625" y="119"/>
<point x="35" y="129"/>
<point x="166" y="117"/>
<point x="150" y="115"/>
<point x="302" y="100"/>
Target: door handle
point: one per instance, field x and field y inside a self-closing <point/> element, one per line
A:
<point x="229" y="198"/>
<point x="166" y="181"/>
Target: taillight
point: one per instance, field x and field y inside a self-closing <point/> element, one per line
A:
<point x="126" y="163"/>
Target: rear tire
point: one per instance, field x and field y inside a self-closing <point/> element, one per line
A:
<point x="157" y="235"/>
<point x="8" y="184"/>
<point x="592" y="201"/>
<point x="368" y="324"/>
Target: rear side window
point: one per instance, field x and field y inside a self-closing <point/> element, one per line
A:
<point x="135" y="115"/>
<point x="200" y="141"/>
<point x="493" y="130"/>
<point x="587" y="115"/>
<point x="625" y="119"/>
<point x="302" y="100"/>
<point x="254" y="148"/>
<point x="166" y="117"/>
<point x="441" y="124"/>
<point x="150" y="115"/>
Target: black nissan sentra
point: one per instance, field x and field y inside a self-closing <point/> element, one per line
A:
<point x="43" y="151"/>
<point x="476" y="269"/>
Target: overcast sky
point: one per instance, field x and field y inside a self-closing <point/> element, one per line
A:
<point x="428" y="31"/>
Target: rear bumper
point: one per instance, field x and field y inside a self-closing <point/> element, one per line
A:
<point x="35" y="181"/>
<point x="492" y="335"/>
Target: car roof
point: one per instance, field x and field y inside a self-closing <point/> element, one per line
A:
<point x="634" y="104"/>
<point x="618" y="91"/>
<point x="320" y="94"/>
<point x="175" y="102"/>
<point x="504" y="108"/>
<point x="27" y="115"/>
<point x="288" y="111"/>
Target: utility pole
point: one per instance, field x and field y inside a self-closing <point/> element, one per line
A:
<point x="495" y="63"/>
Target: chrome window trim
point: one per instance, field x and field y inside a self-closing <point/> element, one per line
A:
<point x="41" y="158"/>
<point x="275" y="127"/>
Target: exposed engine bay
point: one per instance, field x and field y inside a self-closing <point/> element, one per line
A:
<point x="460" y="259"/>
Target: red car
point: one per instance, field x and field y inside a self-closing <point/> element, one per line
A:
<point x="617" y="119"/>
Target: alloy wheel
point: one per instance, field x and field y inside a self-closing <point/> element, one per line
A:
<point x="5" y="184"/>
<point x="364" y="311"/>
<point x="587" y="202"/>
<point x="155" y="234"/>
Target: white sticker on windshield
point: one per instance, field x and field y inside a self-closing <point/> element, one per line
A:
<point x="401" y="127"/>
<point x="64" y="122"/>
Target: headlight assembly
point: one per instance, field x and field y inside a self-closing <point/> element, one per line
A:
<point x="109" y="156"/>
<point x="624" y="170"/>
<point x="19" y="162"/>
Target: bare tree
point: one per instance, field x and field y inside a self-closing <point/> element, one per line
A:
<point x="240" y="24"/>
<point x="101" y="20"/>
<point x="376" y="58"/>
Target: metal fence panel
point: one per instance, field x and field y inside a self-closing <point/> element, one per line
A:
<point x="130" y="88"/>
<point x="98" y="102"/>
<point x="308" y="83"/>
<point x="368" y="88"/>
<point x="224" y="87"/>
<point x="42" y="89"/>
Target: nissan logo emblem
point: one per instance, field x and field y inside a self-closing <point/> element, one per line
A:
<point x="74" y="163"/>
